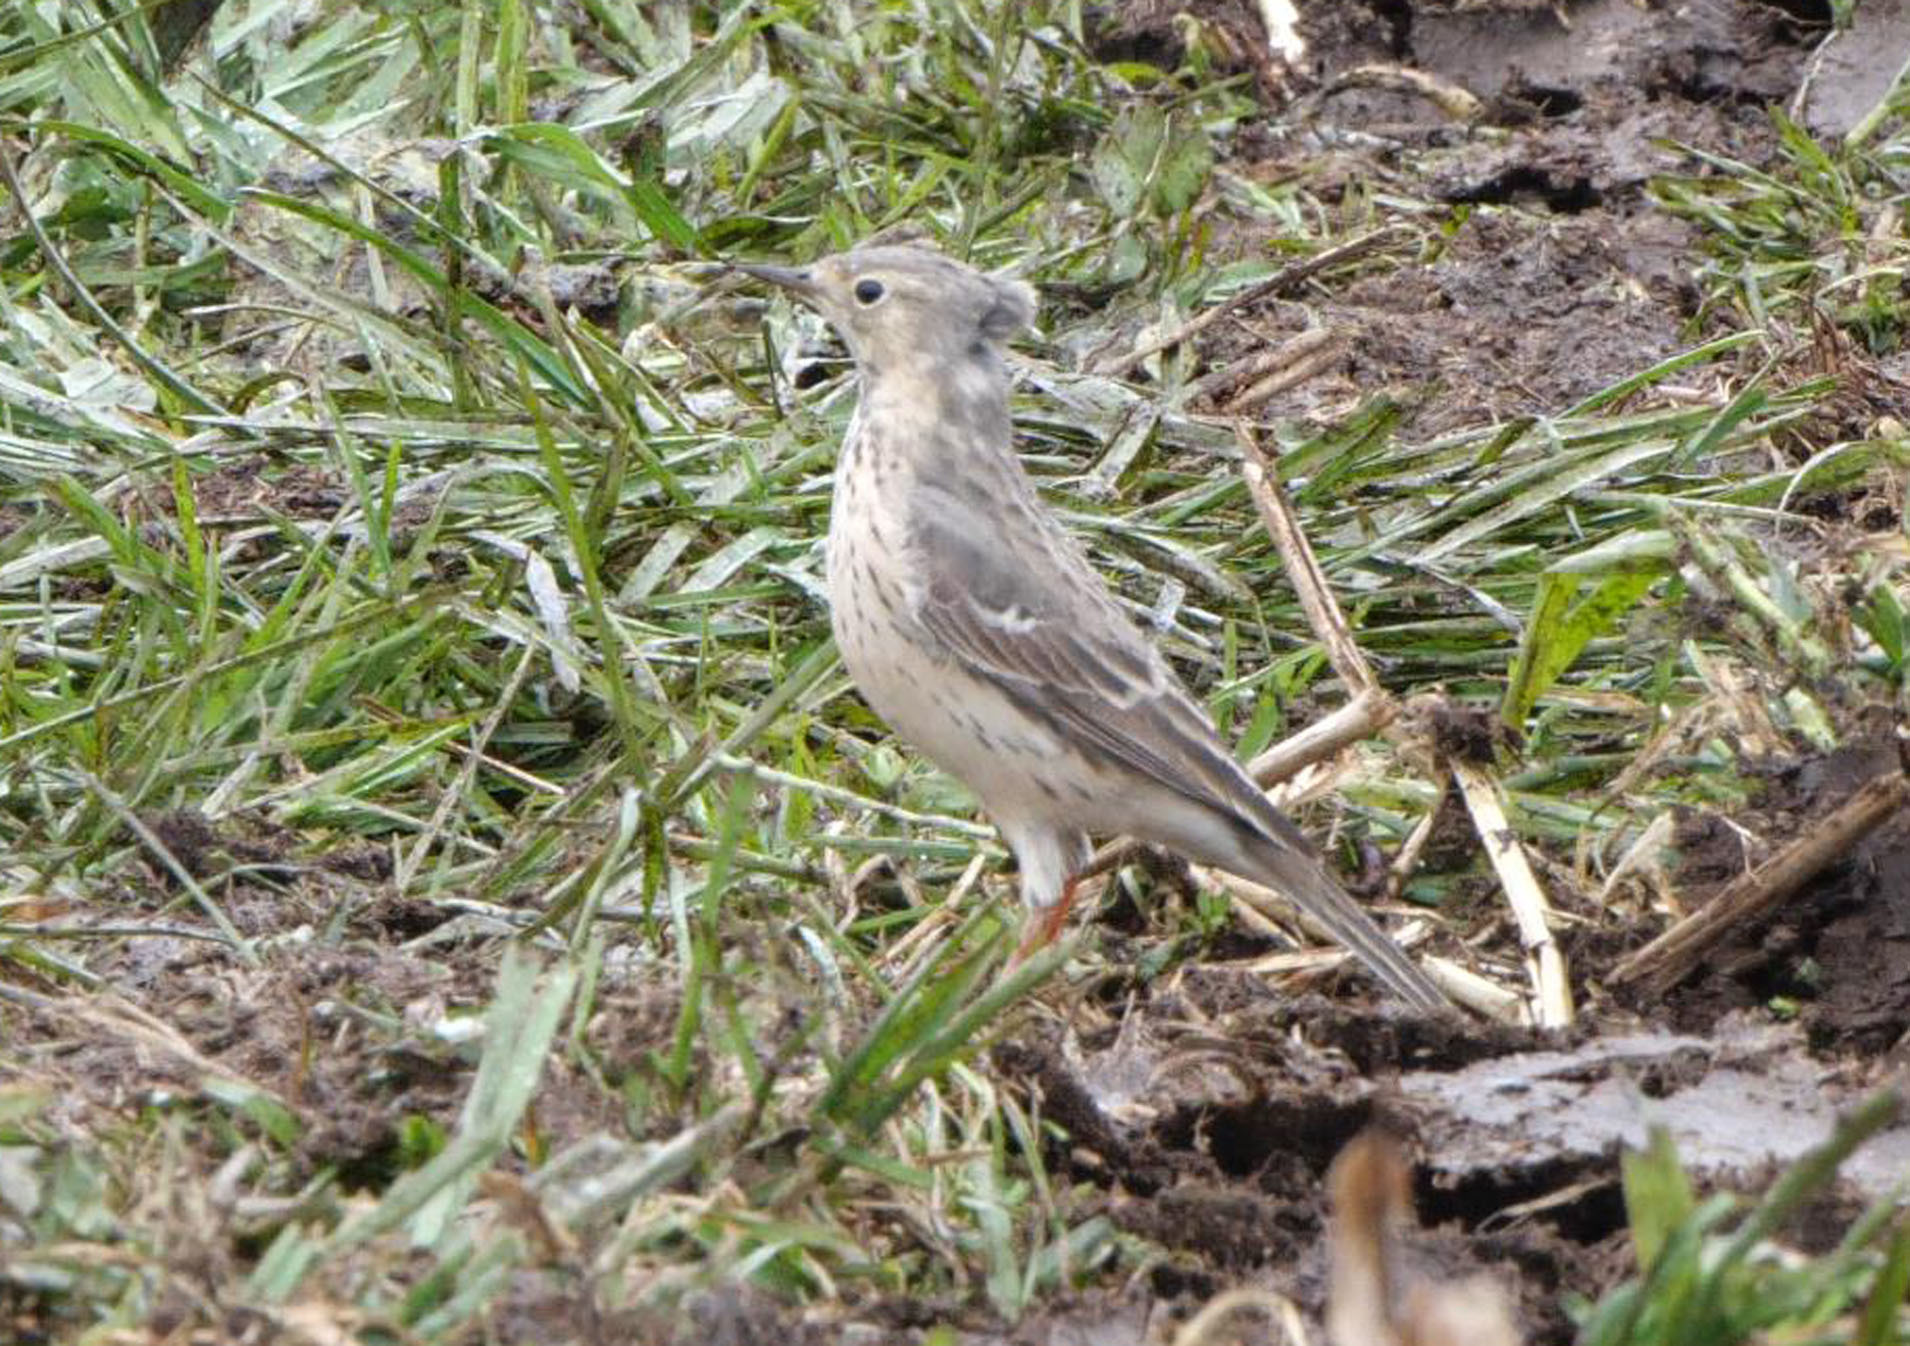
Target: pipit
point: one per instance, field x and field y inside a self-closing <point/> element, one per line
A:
<point x="972" y="622"/>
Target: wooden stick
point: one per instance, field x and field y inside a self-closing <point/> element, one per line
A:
<point x="1672" y="956"/>
<point x="1457" y="103"/>
<point x="1464" y="987"/>
<point x="1206" y="1326"/>
<point x="1406" y="860"/>
<point x="1370" y="710"/>
<point x="1362" y="717"/>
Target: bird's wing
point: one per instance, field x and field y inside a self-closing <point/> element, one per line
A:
<point x="1006" y="593"/>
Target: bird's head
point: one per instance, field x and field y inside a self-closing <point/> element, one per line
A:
<point x="907" y="304"/>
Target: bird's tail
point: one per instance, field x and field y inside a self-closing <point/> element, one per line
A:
<point x="1277" y="855"/>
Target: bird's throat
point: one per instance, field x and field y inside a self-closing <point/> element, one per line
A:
<point x="964" y="401"/>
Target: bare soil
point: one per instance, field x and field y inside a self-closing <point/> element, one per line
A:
<point x="1564" y="279"/>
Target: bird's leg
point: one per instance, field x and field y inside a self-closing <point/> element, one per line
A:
<point x="1044" y="926"/>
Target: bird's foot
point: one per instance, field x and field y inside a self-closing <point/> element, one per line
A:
<point x="1044" y="925"/>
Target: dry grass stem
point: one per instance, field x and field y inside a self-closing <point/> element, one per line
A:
<point x="1204" y="1328"/>
<point x="1322" y="610"/>
<point x="1477" y="992"/>
<point x="1406" y="860"/>
<point x="1301" y="347"/>
<point x="1308" y="365"/>
<point x="1455" y="102"/>
<point x="1369" y="712"/>
<point x="1545" y="962"/>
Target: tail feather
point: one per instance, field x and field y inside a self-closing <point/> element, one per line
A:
<point x="1277" y="855"/>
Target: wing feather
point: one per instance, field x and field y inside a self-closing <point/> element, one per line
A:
<point x="1025" y="612"/>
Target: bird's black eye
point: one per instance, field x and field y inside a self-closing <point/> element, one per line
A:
<point x="868" y="291"/>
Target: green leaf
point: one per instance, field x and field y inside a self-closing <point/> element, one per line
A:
<point x="1184" y="162"/>
<point x="561" y="155"/>
<point x="1563" y="622"/>
<point x="1658" y="1195"/>
<point x="518" y="1028"/>
<point x="1884" y="1310"/>
<point x="512" y="334"/>
<point x="1739" y="410"/>
<point x="1884" y="618"/>
<point x="1123" y="162"/>
<point x="176" y="180"/>
<point x="273" y="1117"/>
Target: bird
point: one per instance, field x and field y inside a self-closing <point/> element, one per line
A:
<point x="972" y="622"/>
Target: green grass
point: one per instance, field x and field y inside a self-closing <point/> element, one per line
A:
<point x="388" y="475"/>
<point x="1711" y="1271"/>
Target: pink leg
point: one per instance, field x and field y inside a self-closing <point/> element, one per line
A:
<point x="1045" y="926"/>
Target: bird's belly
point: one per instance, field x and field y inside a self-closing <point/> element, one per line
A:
<point x="970" y="730"/>
<point x="965" y="726"/>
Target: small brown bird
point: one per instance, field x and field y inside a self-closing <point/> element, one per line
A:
<point x="972" y="622"/>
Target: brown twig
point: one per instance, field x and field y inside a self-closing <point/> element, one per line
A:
<point x="1296" y="350"/>
<point x="1671" y="957"/>
<point x="1362" y="717"/>
<point x="1370" y="711"/>
<point x="1206" y="1326"/>
<point x="1286" y="277"/>
<point x="1308" y="366"/>
<point x="1457" y="103"/>
<point x="1406" y="858"/>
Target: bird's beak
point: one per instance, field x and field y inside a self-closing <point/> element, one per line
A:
<point x="797" y="282"/>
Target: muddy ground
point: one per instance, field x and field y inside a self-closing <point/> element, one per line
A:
<point x="1524" y="311"/>
<point x="1203" y="1107"/>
